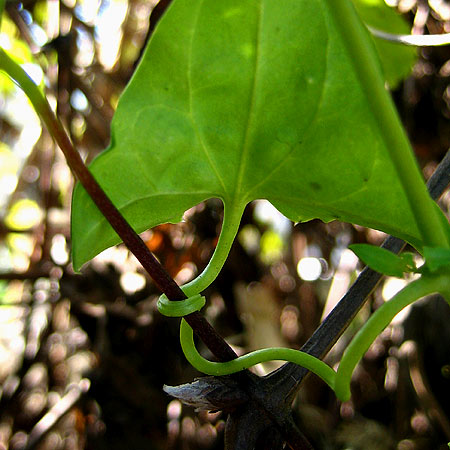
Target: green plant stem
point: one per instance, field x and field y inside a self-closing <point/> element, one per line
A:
<point x="358" y="44"/>
<point x="379" y="320"/>
<point x="230" y="227"/>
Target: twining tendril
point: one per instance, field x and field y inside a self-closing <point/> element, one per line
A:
<point x="338" y="381"/>
<point x="182" y="307"/>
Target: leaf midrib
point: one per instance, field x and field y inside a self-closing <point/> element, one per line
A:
<point x="203" y="146"/>
<point x="238" y="195"/>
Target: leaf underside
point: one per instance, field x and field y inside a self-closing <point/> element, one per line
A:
<point x="242" y="100"/>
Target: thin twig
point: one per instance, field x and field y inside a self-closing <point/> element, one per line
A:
<point x="50" y="419"/>
<point x="134" y="243"/>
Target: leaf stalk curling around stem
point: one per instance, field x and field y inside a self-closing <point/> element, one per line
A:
<point x="357" y="41"/>
<point x="163" y="281"/>
<point x="230" y="226"/>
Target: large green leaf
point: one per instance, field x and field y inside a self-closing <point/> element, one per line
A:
<point x="244" y="99"/>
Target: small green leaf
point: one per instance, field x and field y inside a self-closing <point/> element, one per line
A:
<point x="384" y="261"/>
<point x="436" y="258"/>
<point x="243" y="100"/>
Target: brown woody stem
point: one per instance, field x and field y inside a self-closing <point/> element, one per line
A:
<point x="131" y="239"/>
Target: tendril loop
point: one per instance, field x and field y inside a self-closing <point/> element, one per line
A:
<point x="182" y="307"/>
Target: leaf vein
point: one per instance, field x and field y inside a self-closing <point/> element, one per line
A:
<point x="251" y="112"/>
<point x="203" y="145"/>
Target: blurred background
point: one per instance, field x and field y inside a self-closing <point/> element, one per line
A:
<point x="84" y="357"/>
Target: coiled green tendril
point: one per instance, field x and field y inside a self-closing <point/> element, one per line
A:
<point x="338" y="380"/>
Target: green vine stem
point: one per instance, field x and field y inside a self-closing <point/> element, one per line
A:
<point x="358" y="44"/>
<point x="310" y="362"/>
<point x="380" y="319"/>
<point x="338" y="381"/>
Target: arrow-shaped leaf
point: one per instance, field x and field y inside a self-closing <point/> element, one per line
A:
<point x="241" y="100"/>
